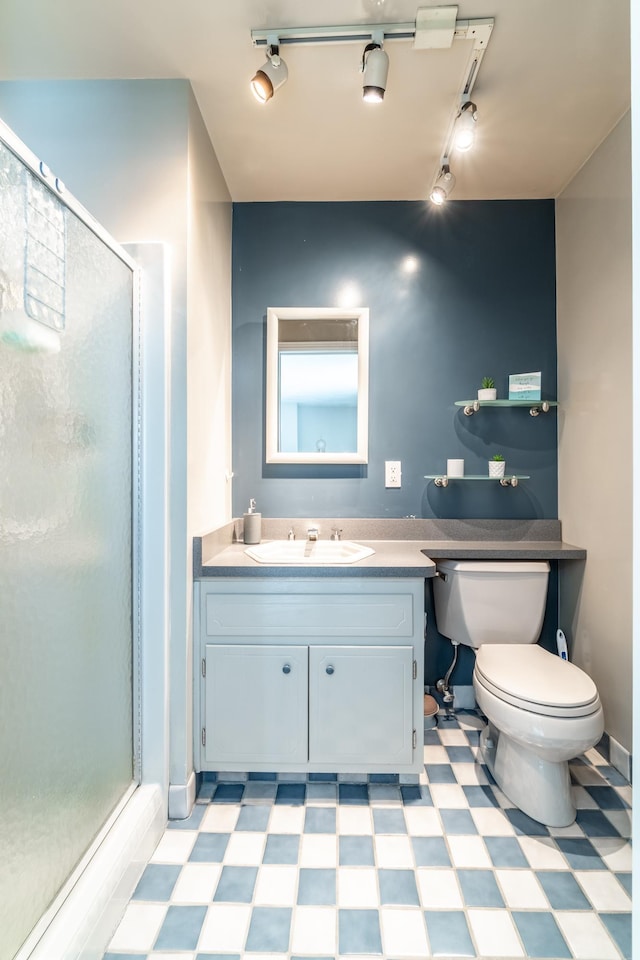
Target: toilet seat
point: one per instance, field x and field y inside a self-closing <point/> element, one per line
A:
<point x="531" y="678"/>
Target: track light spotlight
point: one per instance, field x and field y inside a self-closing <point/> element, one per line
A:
<point x="464" y="133"/>
<point x="443" y="185"/>
<point x="375" y="67"/>
<point x="271" y="75"/>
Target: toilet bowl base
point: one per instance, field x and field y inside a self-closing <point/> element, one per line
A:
<point x="540" y="788"/>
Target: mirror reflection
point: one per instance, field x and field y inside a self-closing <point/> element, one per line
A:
<point x="316" y="385"/>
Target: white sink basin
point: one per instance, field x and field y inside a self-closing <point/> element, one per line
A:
<point x="312" y="552"/>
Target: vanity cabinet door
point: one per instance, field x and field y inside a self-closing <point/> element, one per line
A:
<point x="361" y="705"/>
<point x="256" y="704"/>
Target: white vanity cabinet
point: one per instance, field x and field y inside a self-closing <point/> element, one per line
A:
<point x="316" y="674"/>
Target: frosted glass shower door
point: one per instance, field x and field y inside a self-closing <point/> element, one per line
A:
<point x="66" y="480"/>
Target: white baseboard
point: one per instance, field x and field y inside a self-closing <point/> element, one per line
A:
<point x="81" y="926"/>
<point x="182" y="797"/>
<point x="620" y="758"/>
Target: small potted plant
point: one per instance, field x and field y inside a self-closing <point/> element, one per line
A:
<point x="497" y="465"/>
<point x="488" y="390"/>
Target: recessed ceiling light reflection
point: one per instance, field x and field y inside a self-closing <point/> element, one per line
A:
<point x="349" y="295"/>
<point x="410" y="265"/>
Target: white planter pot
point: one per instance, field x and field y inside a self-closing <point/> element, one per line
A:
<point x="488" y="394"/>
<point x="496" y="468"/>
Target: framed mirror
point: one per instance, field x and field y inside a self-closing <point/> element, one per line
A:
<point x="317" y="385"/>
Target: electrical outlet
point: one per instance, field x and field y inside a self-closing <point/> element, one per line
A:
<point x="393" y="473"/>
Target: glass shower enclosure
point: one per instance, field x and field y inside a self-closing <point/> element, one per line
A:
<point x="68" y="489"/>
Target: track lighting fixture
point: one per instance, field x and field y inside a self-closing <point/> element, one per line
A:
<point x="375" y="67"/>
<point x="464" y="133"/>
<point x="271" y="75"/>
<point x="443" y="186"/>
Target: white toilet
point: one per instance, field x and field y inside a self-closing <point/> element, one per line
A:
<point x="542" y="710"/>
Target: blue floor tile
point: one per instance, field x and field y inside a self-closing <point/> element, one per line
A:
<point x="613" y="777"/>
<point x="317" y="887"/>
<point x="181" y="928"/>
<point x="524" y="824"/>
<point x="384" y="778"/>
<point x="440" y="773"/>
<point x="505" y="852"/>
<point x="157" y="882"/>
<point x="449" y="934"/>
<point x="432" y="738"/>
<point x="606" y="797"/>
<point x="228" y="793"/>
<point x="541" y="935"/>
<point x="414" y="795"/>
<point x="389" y="821"/>
<point x="209" y="847"/>
<point x="293" y="793"/>
<point x="216" y="956"/>
<point x="254" y="818"/>
<point x="626" y="881"/>
<point x="580" y="853"/>
<point x="383" y="793"/>
<point x="236" y="885"/>
<point x="460" y="755"/>
<point x="357" y="793"/>
<point x="356" y="852"/>
<point x="595" y="824"/>
<point x="458" y="822"/>
<point x="281" y="848"/>
<point x="479" y="888"/>
<point x="480" y="796"/>
<point x="359" y="932"/>
<point x="562" y="890"/>
<point x="619" y="926"/>
<point x="263" y="776"/>
<point x="430" y="852"/>
<point x="269" y="930"/>
<point x="320" y="820"/>
<point x="189" y="823"/>
<point x="398" y="887"/>
<point x="323" y="777"/>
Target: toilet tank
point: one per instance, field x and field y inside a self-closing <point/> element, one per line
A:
<point x="490" y="601"/>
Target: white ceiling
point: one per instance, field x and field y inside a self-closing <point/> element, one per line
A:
<point x="554" y="81"/>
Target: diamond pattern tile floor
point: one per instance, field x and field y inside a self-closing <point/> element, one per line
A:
<point x="445" y="868"/>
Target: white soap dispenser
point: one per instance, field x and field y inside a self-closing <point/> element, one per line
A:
<point x="252" y="524"/>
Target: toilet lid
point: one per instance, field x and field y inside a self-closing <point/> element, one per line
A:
<point x="531" y="677"/>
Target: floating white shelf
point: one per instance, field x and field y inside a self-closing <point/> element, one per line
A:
<point x="535" y="406"/>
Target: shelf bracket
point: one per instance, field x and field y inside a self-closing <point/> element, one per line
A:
<point x="508" y="481"/>
<point x="539" y="408"/>
<point x="441" y="481"/>
<point x="471" y="408"/>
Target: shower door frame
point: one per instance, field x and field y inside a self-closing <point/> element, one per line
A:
<point x="41" y="171"/>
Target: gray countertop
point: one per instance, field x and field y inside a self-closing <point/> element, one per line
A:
<point x="410" y="557"/>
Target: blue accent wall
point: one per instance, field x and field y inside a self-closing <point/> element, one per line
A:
<point x="454" y="294"/>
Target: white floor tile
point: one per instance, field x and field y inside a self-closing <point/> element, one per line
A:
<point x="586" y="936"/>
<point x="423" y="821"/>
<point x="394" y="853"/>
<point x="596" y="758"/>
<point x="469" y="852"/>
<point x="542" y="853"/>
<point x="625" y="793"/>
<point x="314" y="931"/>
<point x="220" y="818"/>
<point x="469" y="774"/>
<point x="197" y="883"/>
<point x="286" y="819"/>
<point x="587" y="775"/>
<point x="225" y="928"/>
<point x="492" y="822"/>
<point x="495" y="933"/>
<point x="521" y="890"/>
<point x="435" y="755"/>
<point x="357" y="887"/>
<point x="318" y="850"/>
<point x="452" y="737"/>
<point x="449" y="796"/>
<point x="173" y="956"/>
<point x="438" y="888"/>
<point x="573" y="830"/>
<point x="245" y="849"/>
<point x="175" y="846"/>
<point x="583" y="799"/>
<point x="354" y="820"/>
<point x="603" y="889"/>
<point x="139" y="927"/>
<point x="403" y="933"/>
<point x="616" y="852"/>
<point x="276" y="886"/>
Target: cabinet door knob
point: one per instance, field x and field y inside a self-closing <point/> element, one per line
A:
<point x="286" y="668"/>
<point x="330" y="669"/>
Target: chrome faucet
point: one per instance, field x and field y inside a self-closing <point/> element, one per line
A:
<point x="291" y="535"/>
<point x="312" y="533"/>
<point x="336" y="533"/>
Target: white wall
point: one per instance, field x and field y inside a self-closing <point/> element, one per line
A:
<point x="593" y="235"/>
